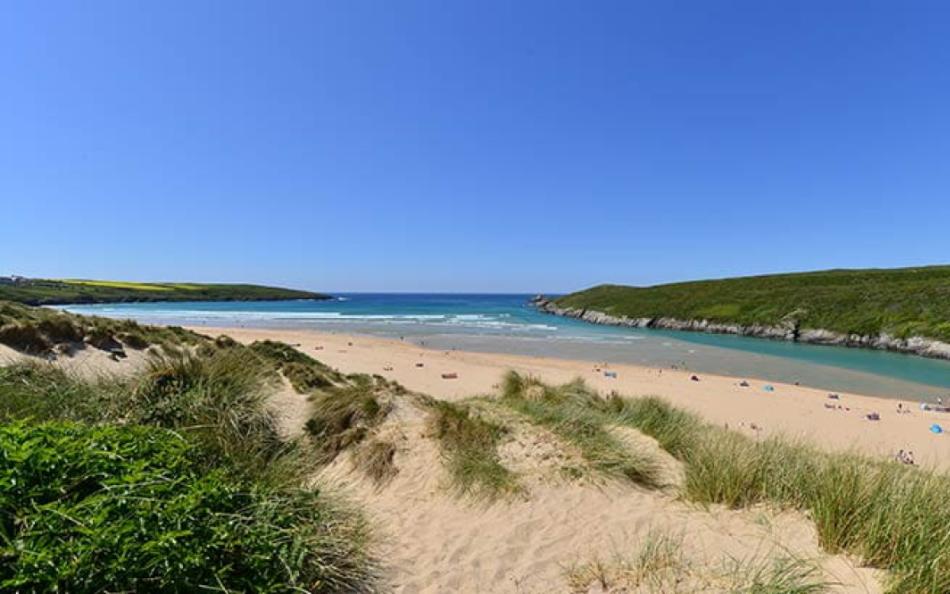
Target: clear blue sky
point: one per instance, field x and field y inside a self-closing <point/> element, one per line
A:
<point x="491" y="146"/>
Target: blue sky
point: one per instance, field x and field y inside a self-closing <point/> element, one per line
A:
<point x="460" y="146"/>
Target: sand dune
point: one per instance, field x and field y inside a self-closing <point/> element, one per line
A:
<point x="434" y="541"/>
<point x="548" y="537"/>
<point x="562" y="534"/>
<point x="795" y="411"/>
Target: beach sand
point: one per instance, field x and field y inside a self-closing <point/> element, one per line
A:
<point x="432" y="540"/>
<point x="796" y="412"/>
<point x="546" y="538"/>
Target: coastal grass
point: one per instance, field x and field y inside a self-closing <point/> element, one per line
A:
<point x="469" y="446"/>
<point x="172" y="480"/>
<point x="901" y="302"/>
<point x="304" y="373"/>
<point x="889" y="515"/>
<point x="343" y="416"/>
<point x="576" y="414"/>
<point x="44" y="331"/>
<point x="218" y="401"/>
<point x="661" y="566"/>
<point x="377" y="459"/>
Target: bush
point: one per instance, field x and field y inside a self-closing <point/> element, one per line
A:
<point x="93" y="509"/>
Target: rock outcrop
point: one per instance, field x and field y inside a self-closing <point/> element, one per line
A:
<point x="787" y="330"/>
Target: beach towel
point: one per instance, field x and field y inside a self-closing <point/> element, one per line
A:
<point x="768" y="388"/>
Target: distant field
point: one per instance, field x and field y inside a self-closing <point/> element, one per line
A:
<point x="902" y="302"/>
<point x="53" y="292"/>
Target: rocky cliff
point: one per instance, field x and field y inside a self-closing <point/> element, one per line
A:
<point x="789" y="330"/>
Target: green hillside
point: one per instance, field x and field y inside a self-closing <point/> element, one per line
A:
<point x="54" y="292"/>
<point x="902" y="302"/>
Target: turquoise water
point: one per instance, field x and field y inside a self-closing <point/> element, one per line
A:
<point x="507" y="323"/>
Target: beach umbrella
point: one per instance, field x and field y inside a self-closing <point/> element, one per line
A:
<point x="935" y="428"/>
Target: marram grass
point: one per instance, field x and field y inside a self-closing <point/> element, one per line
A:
<point x="888" y="515"/>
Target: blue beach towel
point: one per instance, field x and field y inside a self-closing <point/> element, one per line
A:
<point x="768" y="388"/>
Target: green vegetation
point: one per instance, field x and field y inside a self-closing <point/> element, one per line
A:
<point x="94" y="509"/>
<point x="578" y="416"/>
<point x="173" y="480"/>
<point x="40" y="331"/>
<point x="889" y="515"/>
<point x="304" y="373"/>
<point x="900" y="302"/>
<point x="469" y="446"/>
<point x="344" y="415"/>
<point x="53" y="292"/>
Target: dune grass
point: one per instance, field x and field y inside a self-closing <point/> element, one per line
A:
<point x="469" y="445"/>
<point x="661" y="566"/>
<point x="376" y="458"/>
<point x="174" y="480"/>
<point x="42" y="331"/>
<point x="304" y="373"/>
<point x="343" y="416"/>
<point x="577" y="415"/>
<point x="889" y="515"/>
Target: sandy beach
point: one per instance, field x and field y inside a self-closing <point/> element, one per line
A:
<point x="793" y="411"/>
<point x="542" y="540"/>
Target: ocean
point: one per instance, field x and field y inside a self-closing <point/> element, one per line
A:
<point x="508" y="324"/>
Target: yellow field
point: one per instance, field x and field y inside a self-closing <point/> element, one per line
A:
<point x="124" y="285"/>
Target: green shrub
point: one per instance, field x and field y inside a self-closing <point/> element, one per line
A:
<point x="99" y="509"/>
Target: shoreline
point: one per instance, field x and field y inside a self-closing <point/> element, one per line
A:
<point x="797" y="412"/>
<point x="918" y="346"/>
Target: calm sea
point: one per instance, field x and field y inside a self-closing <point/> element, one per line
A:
<point x="508" y="324"/>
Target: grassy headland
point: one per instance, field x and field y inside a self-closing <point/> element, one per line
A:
<point x="57" y="292"/>
<point x="901" y="303"/>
